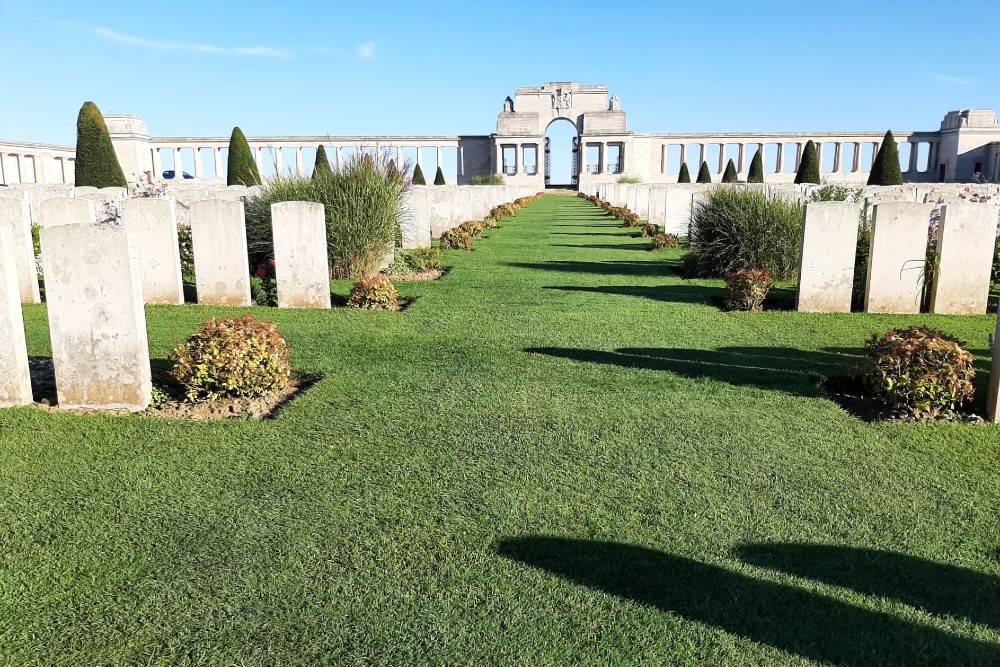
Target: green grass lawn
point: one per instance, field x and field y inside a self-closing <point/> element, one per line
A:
<point x="561" y="454"/>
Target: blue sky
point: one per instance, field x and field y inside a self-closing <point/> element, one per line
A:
<point x="296" y="68"/>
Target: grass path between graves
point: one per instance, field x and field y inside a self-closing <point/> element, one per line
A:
<point x="561" y="454"/>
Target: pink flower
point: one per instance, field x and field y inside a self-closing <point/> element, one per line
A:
<point x="270" y="263"/>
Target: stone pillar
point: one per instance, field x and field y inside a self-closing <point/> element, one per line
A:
<point x="218" y="234"/>
<point x="199" y="172"/>
<point x="178" y="164"/>
<point x="897" y="257"/>
<point x="836" y="156"/>
<point x="683" y="155"/>
<point x="857" y="157"/>
<point x="300" y="170"/>
<point x="826" y="265"/>
<point x="279" y="163"/>
<point x="15" y="378"/>
<point x="220" y="172"/>
<point x="63" y="164"/>
<point x="301" y="263"/>
<point x="499" y="158"/>
<point x="96" y="319"/>
<point x="258" y="156"/>
<point x="154" y="224"/>
<point x="798" y="155"/>
<point x="15" y="215"/>
<point x="339" y="157"/>
<point x="722" y="158"/>
<point x="913" y="156"/>
<point x="399" y="159"/>
<point x="438" y="158"/>
<point x="779" y="163"/>
<point x="966" y="237"/>
<point x="157" y="162"/>
<point x="66" y="211"/>
<point x="741" y="159"/>
<point x="40" y="162"/>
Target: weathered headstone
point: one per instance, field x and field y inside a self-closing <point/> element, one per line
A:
<point x="897" y="257"/>
<point x="679" y="204"/>
<point x="826" y="266"/>
<point x="415" y="225"/>
<point x="65" y="211"/>
<point x="15" y="215"/>
<point x="155" y="228"/>
<point x="15" y="377"/>
<point x="221" y="267"/>
<point x="301" y="262"/>
<point x="96" y="319"/>
<point x="966" y="239"/>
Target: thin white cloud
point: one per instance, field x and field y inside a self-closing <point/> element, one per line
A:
<point x="265" y="51"/>
<point x="366" y="50"/>
<point x="958" y="81"/>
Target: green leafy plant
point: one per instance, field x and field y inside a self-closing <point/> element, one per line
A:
<point x="242" y="169"/>
<point x="96" y="162"/>
<point x="238" y="356"/>
<point x="186" y="248"/>
<point x="650" y="229"/>
<point x="456" y="239"/>
<point x="885" y="166"/>
<point x="730" y="175"/>
<point x="837" y="193"/>
<point x="487" y="179"/>
<point x="418" y="176"/>
<point x="684" y="176"/>
<point x="662" y="241"/>
<point x="808" y="171"/>
<point x="264" y="286"/>
<point x="922" y="372"/>
<point x="422" y="260"/>
<point x="737" y="229"/>
<point x="321" y="168"/>
<point x="747" y="288"/>
<point x="756" y="173"/>
<point x="373" y="293"/>
<point x="363" y="205"/>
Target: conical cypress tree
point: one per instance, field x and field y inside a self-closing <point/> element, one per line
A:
<point x="96" y="162"/>
<point x="684" y="176"/>
<point x="885" y="167"/>
<point x="809" y="166"/>
<point x="703" y="174"/>
<point x="242" y="168"/>
<point x="756" y="174"/>
<point x="729" y="175"/>
<point x="439" y="177"/>
<point x="322" y="166"/>
<point x="418" y="176"/>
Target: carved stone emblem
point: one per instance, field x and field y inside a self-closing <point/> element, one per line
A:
<point x="562" y="100"/>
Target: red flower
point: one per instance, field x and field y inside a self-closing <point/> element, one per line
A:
<point x="262" y="272"/>
<point x="270" y="263"/>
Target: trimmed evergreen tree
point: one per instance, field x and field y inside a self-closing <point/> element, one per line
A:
<point x="242" y="168"/>
<point x="684" y="176"/>
<point x="730" y="175"/>
<point x="885" y="167"/>
<point x="418" y="176"/>
<point x="704" y="176"/>
<point x="439" y="177"/>
<point x="809" y="166"/>
<point x="322" y="166"/>
<point x="756" y="174"/>
<point x="96" y="162"/>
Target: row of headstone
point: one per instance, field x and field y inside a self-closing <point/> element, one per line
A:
<point x="432" y="210"/>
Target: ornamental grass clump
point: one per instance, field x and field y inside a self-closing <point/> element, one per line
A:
<point x="920" y="372"/>
<point x="238" y="356"/>
<point x="746" y="289"/>
<point x="663" y="241"/>
<point x="373" y="293"/>
<point x="738" y="229"/>
<point x="650" y="229"/>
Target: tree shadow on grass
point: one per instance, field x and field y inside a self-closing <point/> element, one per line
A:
<point x="644" y="247"/>
<point x="663" y="293"/>
<point x="938" y="588"/>
<point x="785" y="617"/>
<point x="617" y="268"/>
<point x="587" y="234"/>
<point x="796" y="372"/>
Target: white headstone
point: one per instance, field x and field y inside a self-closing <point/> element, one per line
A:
<point x="65" y="211"/>
<point x="966" y="238"/>
<point x="221" y="266"/>
<point x="897" y="257"/>
<point x="826" y="266"/>
<point x="301" y="263"/>
<point x="15" y="377"/>
<point x="155" y="229"/>
<point x="14" y="214"/>
<point x="96" y="319"/>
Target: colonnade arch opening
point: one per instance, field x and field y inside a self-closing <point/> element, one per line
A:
<point x="562" y="154"/>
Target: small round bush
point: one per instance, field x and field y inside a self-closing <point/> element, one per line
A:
<point x="421" y="260"/>
<point x="650" y="229"/>
<point x="661" y="241"/>
<point x="373" y="293"/>
<point x="237" y="356"/>
<point x="923" y="372"/>
<point x="746" y="289"/>
<point x="473" y="228"/>
<point x="456" y="239"/>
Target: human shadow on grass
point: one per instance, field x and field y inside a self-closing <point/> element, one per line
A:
<point x="612" y="268"/>
<point x="786" y="617"/>
<point x="938" y="588"/>
<point x="796" y="372"/>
